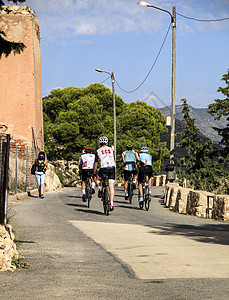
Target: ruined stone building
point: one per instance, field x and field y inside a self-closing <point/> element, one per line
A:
<point x="20" y="79"/>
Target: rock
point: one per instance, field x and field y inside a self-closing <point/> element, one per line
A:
<point x="7" y="248"/>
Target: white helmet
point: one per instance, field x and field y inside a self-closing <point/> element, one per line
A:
<point x="103" y="140"/>
<point x="144" y="149"/>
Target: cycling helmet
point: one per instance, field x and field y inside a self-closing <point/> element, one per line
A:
<point x="129" y="147"/>
<point x="88" y="150"/>
<point x="103" y="140"/>
<point x="144" y="149"/>
<point x="83" y="151"/>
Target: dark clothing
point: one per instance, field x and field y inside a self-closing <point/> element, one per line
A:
<point x="86" y="173"/>
<point x="144" y="170"/>
<point x="127" y="174"/>
<point x="110" y="172"/>
<point x="40" y="166"/>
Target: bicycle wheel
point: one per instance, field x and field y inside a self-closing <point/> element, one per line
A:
<point x="147" y="198"/>
<point x="106" y="202"/>
<point x="88" y="195"/>
<point x="130" y="191"/>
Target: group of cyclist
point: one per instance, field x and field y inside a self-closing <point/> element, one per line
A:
<point x="88" y="164"/>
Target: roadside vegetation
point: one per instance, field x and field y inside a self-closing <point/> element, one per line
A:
<point x="205" y="167"/>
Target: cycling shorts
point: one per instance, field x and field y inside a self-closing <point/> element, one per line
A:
<point x="110" y="172"/>
<point x="127" y="174"/>
<point x="86" y="173"/>
<point x="144" y="170"/>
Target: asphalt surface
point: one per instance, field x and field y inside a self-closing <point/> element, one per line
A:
<point x="79" y="253"/>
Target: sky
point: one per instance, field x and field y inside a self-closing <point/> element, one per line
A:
<point x="119" y="36"/>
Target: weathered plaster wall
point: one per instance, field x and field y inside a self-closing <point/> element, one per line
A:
<point x="20" y="77"/>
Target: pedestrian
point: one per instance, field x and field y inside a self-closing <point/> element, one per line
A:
<point x="39" y="168"/>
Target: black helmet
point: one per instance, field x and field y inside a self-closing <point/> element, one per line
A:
<point x="88" y="150"/>
<point x="129" y="147"/>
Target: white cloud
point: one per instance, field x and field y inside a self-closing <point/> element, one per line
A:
<point x="105" y="17"/>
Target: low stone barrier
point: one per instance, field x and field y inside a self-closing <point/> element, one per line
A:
<point x="196" y="203"/>
<point x="7" y="248"/>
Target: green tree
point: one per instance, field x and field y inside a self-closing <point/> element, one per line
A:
<point x="142" y="125"/>
<point x="76" y="117"/>
<point x="219" y="109"/>
<point x="198" y="166"/>
<point x="6" y="47"/>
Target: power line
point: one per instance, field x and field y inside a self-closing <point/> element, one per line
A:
<point x="199" y="20"/>
<point x="105" y="80"/>
<point x="150" y="68"/>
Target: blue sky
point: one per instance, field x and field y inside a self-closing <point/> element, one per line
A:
<point x="122" y="37"/>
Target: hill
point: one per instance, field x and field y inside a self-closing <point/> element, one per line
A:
<point x="180" y="152"/>
<point x="204" y="121"/>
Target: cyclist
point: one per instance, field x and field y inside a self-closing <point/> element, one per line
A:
<point x="129" y="158"/>
<point x="145" y="168"/>
<point x="107" y="166"/>
<point x="86" y="164"/>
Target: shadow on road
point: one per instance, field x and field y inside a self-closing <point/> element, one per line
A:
<point x="77" y="205"/>
<point x="24" y="242"/>
<point x="79" y="197"/>
<point x="207" y="233"/>
<point x="128" y="207"/>
<point x="90" y="211"/>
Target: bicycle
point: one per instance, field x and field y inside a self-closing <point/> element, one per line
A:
<point x="88" y="191"/>
<point x="106" y="195"/>
<point x="146" y="194"/>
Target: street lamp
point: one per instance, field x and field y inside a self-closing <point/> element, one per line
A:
<point x="173" y="22"/>
<point x="114" y="109"/>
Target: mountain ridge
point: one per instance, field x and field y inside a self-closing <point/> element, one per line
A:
<point x="204" y="121"/>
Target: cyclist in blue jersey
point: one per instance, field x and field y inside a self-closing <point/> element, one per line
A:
<point x="129" y="158"/>
<point x="146" y="162"/>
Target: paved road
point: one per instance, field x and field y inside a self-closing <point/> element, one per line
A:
<point x="78" y="253"/>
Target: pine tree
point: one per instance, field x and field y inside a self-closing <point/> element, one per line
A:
<point x="198" y="166"/>
<point x="219" y="109"/>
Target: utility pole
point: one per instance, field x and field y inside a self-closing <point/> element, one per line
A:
<point x="114" y="110"/>
<point x="172" y="136"/>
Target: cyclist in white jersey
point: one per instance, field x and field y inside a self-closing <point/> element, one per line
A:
<point x="86" y="165"/>
<point x="146" y="162"/>
<point x="107" y="166"/>
<point x="129" y="158"/>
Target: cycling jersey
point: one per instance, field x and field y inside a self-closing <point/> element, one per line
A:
<point x="129" y="159"/>
<point x="87" y="161"/>
<point x="106" y="156"/>
<point x="146" y="158"/>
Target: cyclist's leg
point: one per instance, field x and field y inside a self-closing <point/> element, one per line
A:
<point x="83" y="184"/>
<point x="98" y="182"/>
<point x="126" y="178"/>
<point x="150" y="179"/>
<point x="140" y="180"/>
<point x="111" y="177"/>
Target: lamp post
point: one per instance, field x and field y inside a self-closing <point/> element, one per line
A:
<point x="114" y="109"/>
<point x="173" y="22"/>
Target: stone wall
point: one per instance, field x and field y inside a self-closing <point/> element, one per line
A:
<point x="196" y="203"/>
<point x="7" y="248"/>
